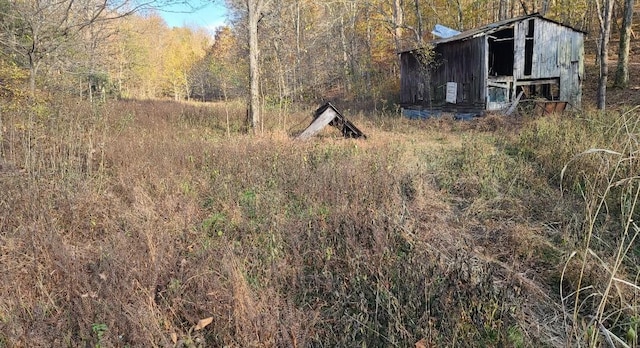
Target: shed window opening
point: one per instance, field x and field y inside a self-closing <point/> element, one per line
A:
<point x="498" y="95"/>
<point x="528" y="48"/>
<point x="501" y="53"/>
<point x="550" y="91"/>
<point x="541" y="90"/>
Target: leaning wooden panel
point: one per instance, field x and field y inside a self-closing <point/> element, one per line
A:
<point x="329" y="115"/>
<point x="318" y="123"/>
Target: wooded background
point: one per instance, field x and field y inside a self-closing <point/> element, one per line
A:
<point x="308" y="50"/>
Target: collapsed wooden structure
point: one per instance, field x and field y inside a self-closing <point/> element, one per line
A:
<point x="487" y="68"/>
<point x="327" y="114"/>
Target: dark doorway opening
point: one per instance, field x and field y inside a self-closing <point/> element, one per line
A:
<point x="501" y="53"/>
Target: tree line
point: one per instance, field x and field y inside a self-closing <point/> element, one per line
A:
<point x="292" y="50"/>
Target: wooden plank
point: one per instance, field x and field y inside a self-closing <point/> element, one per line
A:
<point x="520" y="31"/>
<point x="320" y="122"/>
<point x="513" y="106"/>
<point x="501" y="78"/>
<point x="452" y="92"/>
<point x="499" y="85"/>
<point x="503" y="39"/>
<point x="551" y="81"/>
<point x="349" y="130"/>
<point x="484" y="71"/>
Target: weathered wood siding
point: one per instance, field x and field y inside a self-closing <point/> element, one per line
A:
<point x="557" y="53"/>
<point x="462" y="62"/>
<point x="412" y="80"/>
<point x="572" y="70"/>
<point x="519" y="33"/>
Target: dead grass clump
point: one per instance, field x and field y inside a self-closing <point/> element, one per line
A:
<point x="554" y="140"/>
<point x="494" y="123"/>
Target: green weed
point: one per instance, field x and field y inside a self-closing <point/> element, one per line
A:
<point x="99" y="330"/>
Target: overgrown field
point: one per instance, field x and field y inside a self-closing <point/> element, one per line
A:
<point x="162" y="224"/>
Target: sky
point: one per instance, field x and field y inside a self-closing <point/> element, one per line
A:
<point x="207" y="15"/>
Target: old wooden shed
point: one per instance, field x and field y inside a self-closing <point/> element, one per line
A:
<point x="489" y="67"/>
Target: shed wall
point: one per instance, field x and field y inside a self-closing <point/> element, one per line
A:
<point x="413" y="80"/>
<point x="462" y="62"/>
<point x="557" y="53"/>
<point x="572" y="68"/>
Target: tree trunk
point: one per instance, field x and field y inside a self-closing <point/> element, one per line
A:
<point x="368" y="44"/>
<point x="398" y="23"/>
<point x="622" y="72"/>
<point x="254" y="7"/>
<point x="419" y="19"/>
<point x="33" y="71"/>
<point x="460" y="15"/>
<point x="32" y="81"/>
<point x="298" y="57"/>
<point x="502" y="10"/>
<point x="605" y="10"/>
<point x="90" y="91"/>
<point x="545" y="7"/>
<point x="226" y="107"/>
<point x="345" y="56"/>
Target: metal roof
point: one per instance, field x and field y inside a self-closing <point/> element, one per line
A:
<point x="492" y="28"/>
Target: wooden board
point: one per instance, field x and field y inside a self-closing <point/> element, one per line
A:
<point x="318" y="123"/>
<point x="452" y="92"/>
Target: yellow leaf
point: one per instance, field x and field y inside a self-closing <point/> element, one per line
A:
<point x="203" y="323"/>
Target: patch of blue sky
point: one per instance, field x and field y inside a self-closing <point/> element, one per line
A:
<point x="203" y="14"/>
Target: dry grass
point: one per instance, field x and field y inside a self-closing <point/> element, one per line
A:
<point x="127" y="223"/>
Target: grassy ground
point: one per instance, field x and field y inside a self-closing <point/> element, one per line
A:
<point x="139" y="223"/>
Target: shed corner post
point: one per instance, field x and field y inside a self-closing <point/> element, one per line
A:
<point x="485" y="73"/>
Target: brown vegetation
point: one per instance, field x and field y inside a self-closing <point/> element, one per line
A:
<point x="127" y="223"/>
<point x="154" y="223"/>
<point x="157" y="223"/>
